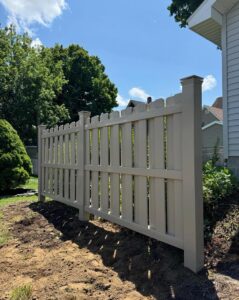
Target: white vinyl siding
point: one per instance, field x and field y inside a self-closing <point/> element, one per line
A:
<point x="232" y="73"/>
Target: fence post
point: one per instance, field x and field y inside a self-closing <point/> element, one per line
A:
<point x="40" y="161"/>
<point x="83" y="215"/>
<point x="192" y="173"/>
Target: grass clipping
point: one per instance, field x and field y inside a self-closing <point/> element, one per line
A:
<point x="23" y="292"/>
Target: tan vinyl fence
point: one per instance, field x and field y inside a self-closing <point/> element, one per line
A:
<point x="138" y="168"/>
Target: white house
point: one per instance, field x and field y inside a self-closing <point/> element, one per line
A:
<point x="218" y="21"/>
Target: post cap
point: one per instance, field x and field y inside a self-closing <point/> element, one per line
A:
<point x="83" y="115"/>
<point x="84" y="112"/>
<point x="192" y="79"/>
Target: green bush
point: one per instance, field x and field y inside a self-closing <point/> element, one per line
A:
<point x="218" y="183"/>
<point x="15" y="164"/>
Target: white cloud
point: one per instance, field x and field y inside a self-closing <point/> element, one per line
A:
<point x="209" y="83"/>
<point x="138" y="93"/>
<point x="24" y="13"/>
<point x="36" y="43"/>
<point x="121" y="101"/>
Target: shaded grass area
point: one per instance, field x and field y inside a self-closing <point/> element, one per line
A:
<point x="32" y="184"/>
<point x="14" y="196"/>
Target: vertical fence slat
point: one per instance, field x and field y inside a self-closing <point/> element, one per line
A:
<point x="87" y="162"/>
<point x="46" y="162"/>
<point x="56" y="183"/>
<point x="41" y="176"/>
<point x="114" y="162"/>
<point x="177" y="165"/>
<point x="51" y="156"/>
<point x="81" y="157"/>
<point x="104" y="161"/>
<point x="41" y="161"/>
<point x="61" y="161"/>
<point x="127" y="192"/>
<point x="66" y="172"/>
<point x="157" y="213"/>
<point x="170" y="183"/>
<point x="95" y="162"/>
<point x="77" y="161"/>
<point x="140" y="161"/>
<point x="73" y="162"/>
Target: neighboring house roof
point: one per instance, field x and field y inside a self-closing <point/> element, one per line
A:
<point x="218" y="103"/>
<point x="133" y="103"/>
<point x="217" y="112"/>
<point x="212" y="124"/>
<point x="207" y="19"/>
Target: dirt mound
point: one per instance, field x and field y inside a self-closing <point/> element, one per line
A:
<point x="63" y="258"/>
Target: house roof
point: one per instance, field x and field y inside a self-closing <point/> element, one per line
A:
<point x="218" y="103"/>
<point x="133" y="103"/>
<point x="217" y="112"/>
<point x="207" y="19"/>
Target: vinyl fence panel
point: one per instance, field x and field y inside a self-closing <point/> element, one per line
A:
<point x="139" y="168"/>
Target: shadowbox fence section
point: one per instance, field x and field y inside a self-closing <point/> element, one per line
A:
<point x="138" y="168"/>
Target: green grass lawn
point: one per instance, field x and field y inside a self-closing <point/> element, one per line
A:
<point x="31" y="184"/>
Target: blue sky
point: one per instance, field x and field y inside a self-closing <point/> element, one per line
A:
<point x="143" y="49"/>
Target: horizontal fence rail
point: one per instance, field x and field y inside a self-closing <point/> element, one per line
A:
<point x="139" y="168"/>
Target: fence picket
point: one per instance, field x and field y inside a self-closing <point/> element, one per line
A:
<point x="66" y="173"/>
<point x="127" y="193"/>
<point x="51" y="161"/>
<point x="95" y="161"/>
<point x="104" y="161"/>
<point x="72" y="162"/>
<point x="177" y="165"/>
<point x="87" y="162"/>
<point x="170" y="204"/>
<point x="114" y="161"/>
<point x="61" y="161"/>
<point x="56" y="183"/>
<point x="140" y="161"/>
<point x="46" y="162"/>
<point x="157" y="213"/>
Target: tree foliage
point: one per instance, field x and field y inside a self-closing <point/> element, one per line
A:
<point x="182" y="10"/>
<point x="29" y="85"/>
<point x="49" y="85"/>
<point x="88" y="87"/>
<point x="15" y="164"/>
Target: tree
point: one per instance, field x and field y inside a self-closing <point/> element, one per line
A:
<point x="15" y="164"/>
<point x="49" y="85"/>
<point x="182" y="10"/>
<point x="87" y="87"/>
<point x="29" y="85"/>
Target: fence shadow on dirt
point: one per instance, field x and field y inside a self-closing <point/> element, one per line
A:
<point x="153" y="267"/>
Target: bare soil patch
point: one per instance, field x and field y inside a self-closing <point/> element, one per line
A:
<point x="63" y="258"/>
